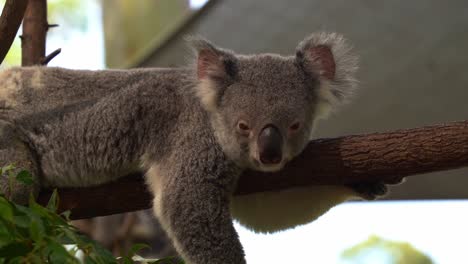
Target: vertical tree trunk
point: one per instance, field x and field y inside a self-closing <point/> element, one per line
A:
<point x="10" y="21"/>
<point x="35" y="27"/>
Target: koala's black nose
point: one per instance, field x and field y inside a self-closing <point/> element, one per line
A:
<point x="270" y="144"/>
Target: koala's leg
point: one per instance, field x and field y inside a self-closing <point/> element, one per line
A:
<point x="192" y="204"/>
<point x="15" y="151"/>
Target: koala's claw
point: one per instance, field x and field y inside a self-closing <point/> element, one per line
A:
<point x="369" y="190"/>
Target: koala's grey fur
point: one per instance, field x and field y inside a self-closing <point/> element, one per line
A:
<point x="182" y="127"/>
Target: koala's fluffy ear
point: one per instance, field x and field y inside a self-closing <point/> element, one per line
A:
<point x="328" y="57"/>
<point x="215" y="69"/>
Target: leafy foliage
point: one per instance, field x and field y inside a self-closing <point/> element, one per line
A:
<point x="37" y="234"/>
<point x="13" y="175"/>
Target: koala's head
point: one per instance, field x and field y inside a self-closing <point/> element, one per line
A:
<point x="263" y="107"/>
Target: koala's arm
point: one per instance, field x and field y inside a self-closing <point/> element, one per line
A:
<point x="192" y="190"/>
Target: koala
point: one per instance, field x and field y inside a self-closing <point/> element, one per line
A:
<point x="192" y="131"/>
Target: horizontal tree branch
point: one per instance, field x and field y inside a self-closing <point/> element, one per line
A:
<point x="10" y="21"/>
<point x="374" y="157"/>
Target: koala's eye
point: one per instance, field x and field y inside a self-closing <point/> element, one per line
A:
<point x="243" y="127"/>
<point x="295" y="126"/>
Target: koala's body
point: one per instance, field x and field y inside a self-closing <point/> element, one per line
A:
<point x="191" y="131"/>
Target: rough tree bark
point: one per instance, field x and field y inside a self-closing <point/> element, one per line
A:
<point x="10" y="21"/>
<point x="33" y="39"/>
<point x="374" y="157"/>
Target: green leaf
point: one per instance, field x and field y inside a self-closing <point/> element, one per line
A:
<point x="58" y="253"/>
<point x="6" y="236"/>
<point x="36" y="230"/>
<point x="132" y="253"/>
<point x="8" y="168"/>
<point x="16" y="260"/>
<point x="39" y="210"/>
<point x="36" y="234"/>
<point x="22" y="209"/>
<point x="53" y="201"/>
<point x="25" y="177"/>
<point x="135" y="248"/>
<point x="95" y="253"/>
<point x="33" y="259"/>
<point x="22" y="221"/>
<point x="72" y="236"/>
<point x="13" y="232"/>
<point x="14" y="249"/>
<point x="66" y="215"/>
<point x="6" y="209"/>
<point x="89" y="260"/>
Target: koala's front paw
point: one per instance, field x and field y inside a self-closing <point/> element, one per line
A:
<point x="369" y="190"/>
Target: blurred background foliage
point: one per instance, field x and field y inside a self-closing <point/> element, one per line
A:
<point x="378" y="250"/>
<point x="133" y="29"/>
<point x="69" y="14"/>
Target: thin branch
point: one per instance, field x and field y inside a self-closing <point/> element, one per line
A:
<point x="10" y="21"/>
<point x="49" y="57"/>
<point x="374" y="157"/>
<point x="35" y="28"/>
